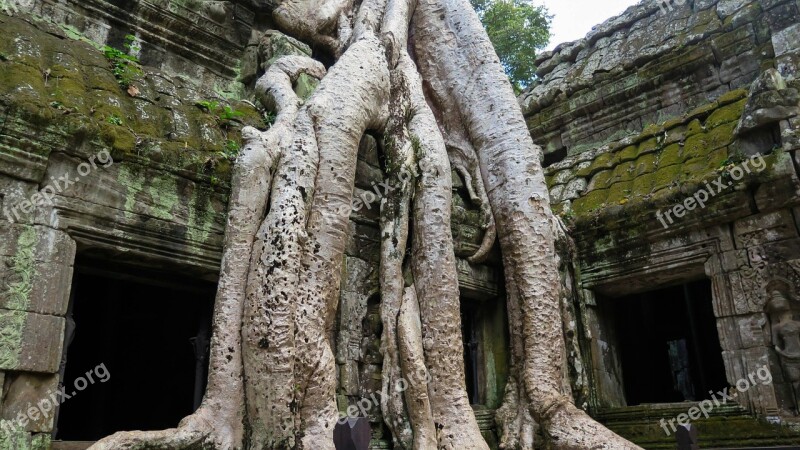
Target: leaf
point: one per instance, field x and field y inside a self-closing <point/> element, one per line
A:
<point x="133" y="91"/>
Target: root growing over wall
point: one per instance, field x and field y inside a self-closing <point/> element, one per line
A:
<point x="424" y="76"/>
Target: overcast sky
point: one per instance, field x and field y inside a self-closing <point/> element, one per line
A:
<point x="574" y="18"/>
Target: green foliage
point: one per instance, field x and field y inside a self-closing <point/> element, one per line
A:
<point x="207" y="106"/>
<point x="517" y="30"/>
<point x="231" y="150"/>
<point x="270" y="118"/>
<point x="114" y="120"/>
<point x="124" y="66"/>
<point x="225" y="114"/>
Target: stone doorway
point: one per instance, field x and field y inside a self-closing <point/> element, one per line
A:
<point x="150" y="330"/>
<point x="484" y="331"/>
<point x="668" y="343"/>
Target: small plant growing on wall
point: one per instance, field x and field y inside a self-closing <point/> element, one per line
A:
<point x="114" y="120"/>
<point x="124" y="66"/>
<point x="225" y="115"/>
<point x="231" y="150"/>
<point x="269" y="118"/>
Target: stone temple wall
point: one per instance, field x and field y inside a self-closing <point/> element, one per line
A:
<point x="647" y="66"/>
<point x="155" y="196"/>
<point x="149" y="172"/>
<point x="649" y="110"/>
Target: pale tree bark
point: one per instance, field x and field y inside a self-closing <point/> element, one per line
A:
<point x="452" y="47"/>
<point x="423" y="75"/>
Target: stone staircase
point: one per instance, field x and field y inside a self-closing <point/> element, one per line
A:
<point x="485" y="418"/>
<point x="727" y="427"/>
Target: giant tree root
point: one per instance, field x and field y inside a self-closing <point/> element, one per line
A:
<point x="441" y="102"/>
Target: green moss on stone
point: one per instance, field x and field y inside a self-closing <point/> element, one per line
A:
<point x="672" y="154"/>
<point x="628" y="153"/>
<point x="696" y="146"/>
<point x="164" y="196"/>
<point x="695" y="126"/>
<point x="643" y="185"/>
<point x="725" y="114"/>
<point x="590" y="202"/>
<point x="67" y="88"/>
<point x="702" y="111"/>
<point x="13" y="318"/>
<point x="645" y="164"/>
<point x="606" y="160"/>
<point x="653" y="129"/>
<point x="23" y="268"/>
<point x="721" y="135"/>
<point x="602" y="180"/>
<point x="623" y="172"/>
<point x="667" y="176"/>
<point x="649" y="145"/>
<point x="13" y="437"/>
<point x="694" y="169"/>
<point x="732" y="96"/>
<point x="133" y="184"/>
<point x="306" y="85"/>
<point x="716" y="158"/>
<point x="619" y="192"/>
<point x="674" y="122"/>
<point x="201" y="216"/>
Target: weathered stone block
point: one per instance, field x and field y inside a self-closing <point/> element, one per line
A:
<point x="31" y="397"/>
<point x="35" y="269"/>
<point x="574" y="189"/>
<point x="778" y="252"/>
<point x="556" y="193"/>
<point x="786" y="40"/>
<point x="727" y="7"/>
<point x="748" y="288"/>
<point x="30" y="342"/>
<point x="782" y="16"/>
<point x="364" y="241"/>
<point x="778" y="193"/>
<point x="761" y="397"/>
<point x="763" y="228"/>
<point x="752" y="331"/>
<point x="45" y="289"/>
<point x="732" y="260"/>
<point x="562" y="177"/>
<point x="477" y="281"/>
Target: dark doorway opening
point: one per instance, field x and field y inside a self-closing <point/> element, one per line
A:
<point x="669" y="344"/>
<point x="150" y="330"/>
<point x="469" y="335"/>
<point x="484" y="334"/>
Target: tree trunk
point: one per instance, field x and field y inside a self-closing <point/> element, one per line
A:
<point x="434" y="88"/>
